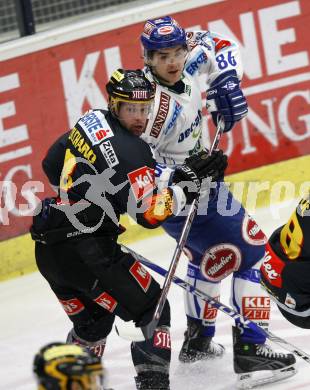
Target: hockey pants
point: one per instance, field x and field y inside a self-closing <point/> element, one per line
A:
<point x="222" y="228"/>
<point x="93" y="285"/>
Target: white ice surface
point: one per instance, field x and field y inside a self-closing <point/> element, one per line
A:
<point x="31" y="317"/>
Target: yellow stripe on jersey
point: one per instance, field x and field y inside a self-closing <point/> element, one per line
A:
<point x="291" y="237"/>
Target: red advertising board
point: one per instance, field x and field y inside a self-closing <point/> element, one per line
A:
<point x="44" y="92"/>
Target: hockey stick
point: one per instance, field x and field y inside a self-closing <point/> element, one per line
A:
<point x="148" y="330"/>
<point x="220" y="306"/>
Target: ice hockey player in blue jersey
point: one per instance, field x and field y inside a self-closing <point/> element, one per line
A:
<point x="223" y="239"/>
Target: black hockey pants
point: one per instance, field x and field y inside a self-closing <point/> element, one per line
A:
<point x="94" y="281"/>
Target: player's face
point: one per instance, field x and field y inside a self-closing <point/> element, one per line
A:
<point x="167" y="64"/>
<point x="134" y="116"/>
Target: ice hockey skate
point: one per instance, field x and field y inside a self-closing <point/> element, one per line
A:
<point x="258" y="364"/>
<point x="198" y="347"/>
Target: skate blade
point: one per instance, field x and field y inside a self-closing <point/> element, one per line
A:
<point x="250" y="380"/>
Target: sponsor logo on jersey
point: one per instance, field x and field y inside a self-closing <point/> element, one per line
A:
<point x="164" y="102"/>
<point x="81" y="145"/>
<point x="256" y="308"/>
<point x="142" y="182"/>
<point x="159" y="168"/>
<point x="194" y="129"/>
<point x="195" y="63"/>
<point x="272" y="268"/>
<point x="162" y="339"/>
<point x="109" y="153"/>
<point x="210" y="312"/>
<point x="72" y="306"/>
<point x="141" y="275"/>
<point x="220" y="261"/>
<point x="96" y="127"/>
<point x="106" y="301"/>
<point x="251" y="232"/>
<point x="176" y="111"/>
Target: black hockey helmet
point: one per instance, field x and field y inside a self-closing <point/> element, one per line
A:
<point x="58" y="365"/>
<point x="129" y="86"/>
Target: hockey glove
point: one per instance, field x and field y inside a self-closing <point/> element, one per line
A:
<point x="229" y="100"/>
<point x="199" y="167"/>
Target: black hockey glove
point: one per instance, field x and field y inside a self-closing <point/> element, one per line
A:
<point x="199" y="167"/>
<point x="230" y="102"/>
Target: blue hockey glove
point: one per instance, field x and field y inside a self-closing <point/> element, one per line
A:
<point x="230" y="102"/>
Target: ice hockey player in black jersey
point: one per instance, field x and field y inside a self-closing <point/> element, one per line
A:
<point x="286" y="267"/>
<point x="60" y="366"/>
<point x="102" y="169"/>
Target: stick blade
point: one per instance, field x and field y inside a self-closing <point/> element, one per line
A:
<point x="128" y="331"/>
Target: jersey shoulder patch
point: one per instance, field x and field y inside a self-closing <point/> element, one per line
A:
<point x="95" y="126"/>
<point x="221" y="42"/>
<point x="198" y="38"/>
